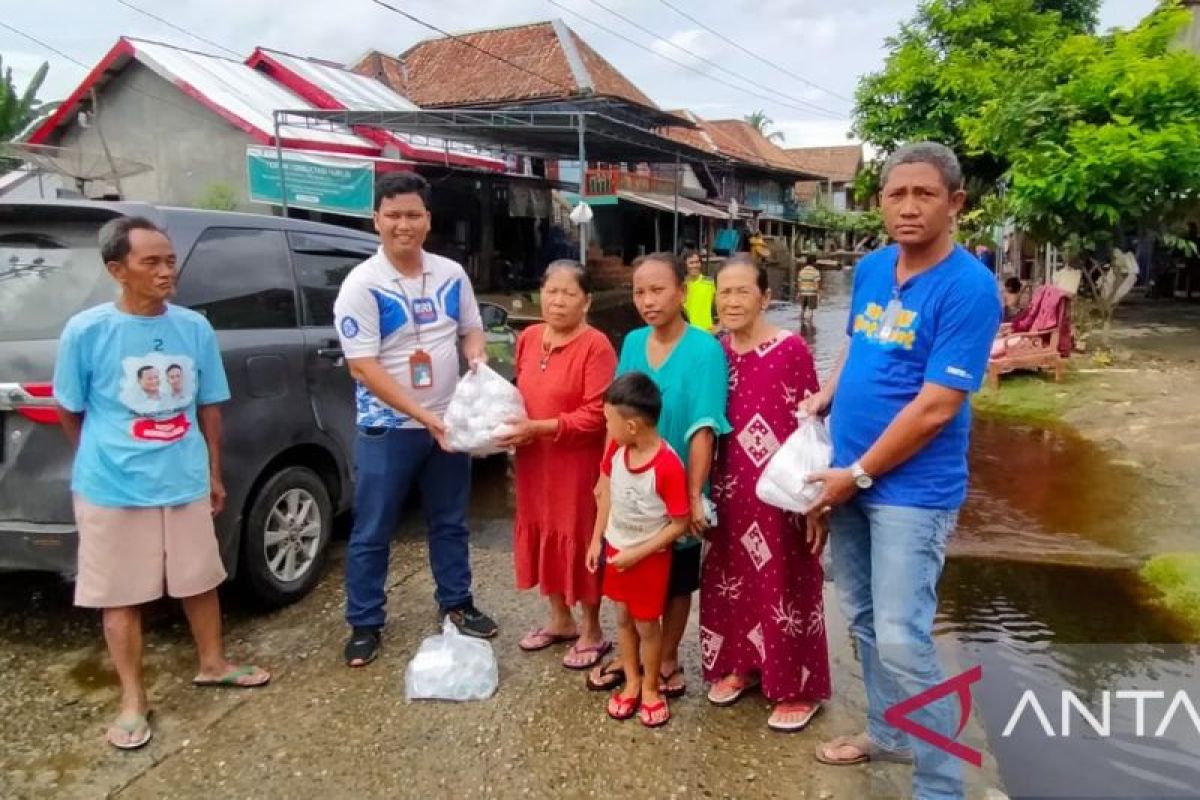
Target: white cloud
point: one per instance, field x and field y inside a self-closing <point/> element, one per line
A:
<point x="688" y="47"/>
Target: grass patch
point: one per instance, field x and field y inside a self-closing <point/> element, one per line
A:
<point x="1176" y="576"/>
<point x="1033" y="398"/>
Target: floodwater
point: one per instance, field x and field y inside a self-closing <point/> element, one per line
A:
<point x="1044" y="557"/>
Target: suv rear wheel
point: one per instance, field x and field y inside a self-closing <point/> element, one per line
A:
<point x="286" y="536"/>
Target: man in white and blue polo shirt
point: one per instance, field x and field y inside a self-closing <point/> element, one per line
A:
<point x="401" y="316"/>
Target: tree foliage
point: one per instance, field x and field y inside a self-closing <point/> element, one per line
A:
<point x="948" y="61"/>
<point x="19" y="108"/>
<point x="762" y="123"/>
<point x="1102" y="134"/>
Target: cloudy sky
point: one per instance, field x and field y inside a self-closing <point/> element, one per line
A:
<point x="811" y="51"/>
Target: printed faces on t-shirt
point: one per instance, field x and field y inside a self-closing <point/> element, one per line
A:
<point x="158" y="388"/>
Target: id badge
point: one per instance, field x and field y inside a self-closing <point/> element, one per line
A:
<point x="424" y="312"/>
<point x="420" y="370"/>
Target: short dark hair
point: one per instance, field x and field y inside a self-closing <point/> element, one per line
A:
<point x="663" y="257"/>
<point x="936" y="155"/>
<point x="114" y="236"/>
<point x="1013" y="285"/>
<point x="687" y="254"/>
<point x="174" y="366"/>
<point x="390" y="184"/>
<point x="577" y="270"/>
<point x="635" y="394"/>
<point x="143" y="370"/>
<point x="746" y="260"/>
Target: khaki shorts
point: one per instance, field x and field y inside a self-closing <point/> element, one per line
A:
<point x="128" y="555"/>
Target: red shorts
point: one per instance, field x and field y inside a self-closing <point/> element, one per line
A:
<point x="642" y="588"/>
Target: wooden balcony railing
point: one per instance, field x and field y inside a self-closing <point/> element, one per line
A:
<point x="609" y="181"/>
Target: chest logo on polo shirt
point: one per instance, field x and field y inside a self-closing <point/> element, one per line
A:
<point x="888" y="327"/>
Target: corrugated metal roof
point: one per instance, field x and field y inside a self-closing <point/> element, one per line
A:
<point x="337" y="87"/>
<point x="350" y="89"/>
<point x="240" y="90"/>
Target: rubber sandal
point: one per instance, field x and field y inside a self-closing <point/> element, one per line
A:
<point x="596" y="652"/>
<point x="233" y="678"/>
<point x="647" y="713"/>
<point x="612" y="669"/>
<point x="794" y="727"/>
<point x="725" y="700"/>
<point x="668" y="691"/>
<point x="362" y="648"/>
<point x="867" y="751"/>
<point x="131" y="725"/>
<point x="540" y="639"/>
<point x="622" y="708"/>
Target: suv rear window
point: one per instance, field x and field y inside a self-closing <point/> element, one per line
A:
<point x="47" y="273"/>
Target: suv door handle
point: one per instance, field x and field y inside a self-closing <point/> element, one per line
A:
<point x="330" y="353"/>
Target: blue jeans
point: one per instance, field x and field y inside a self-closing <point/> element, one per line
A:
<point x="886" y="561"/>
<point x="387" y="462"/>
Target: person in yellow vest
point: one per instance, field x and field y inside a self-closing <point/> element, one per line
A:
<point x="701" y="291"/>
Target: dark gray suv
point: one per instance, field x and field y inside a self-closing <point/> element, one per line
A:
<point x="267" y="285"/>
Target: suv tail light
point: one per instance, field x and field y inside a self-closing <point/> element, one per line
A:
<point x="34" y="401"/>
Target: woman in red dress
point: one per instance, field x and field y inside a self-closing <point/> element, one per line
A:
<point x="563" y="368"/>
<point x="762" y="619"/>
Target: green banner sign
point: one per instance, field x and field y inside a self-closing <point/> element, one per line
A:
<point x="319" y="183"/>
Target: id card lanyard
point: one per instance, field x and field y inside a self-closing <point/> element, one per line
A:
<point x="420" y="365"/>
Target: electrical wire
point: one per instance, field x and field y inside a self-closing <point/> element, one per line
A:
<point x="710" y="62"/>
<point x="178" y="28"/>
<point x="472" y="45"/>
<point x="754" y="55"/>
<point x="690" y="68"/>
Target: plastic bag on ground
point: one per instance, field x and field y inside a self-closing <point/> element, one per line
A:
<point x="451" y="666"/>
<point x="479" y="411"/>
<point x="806" y="451"/>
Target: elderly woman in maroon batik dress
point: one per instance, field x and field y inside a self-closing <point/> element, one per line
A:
<point x="762" y="620"/>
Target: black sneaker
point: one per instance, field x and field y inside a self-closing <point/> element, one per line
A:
<point x="470" y="621"/>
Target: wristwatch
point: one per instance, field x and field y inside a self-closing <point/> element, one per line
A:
<point x="862" y="479"/>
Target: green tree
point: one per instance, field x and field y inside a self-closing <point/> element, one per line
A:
<point x="762" y="123"/>
<point x="19" y="108"/>
<point x="1103" y="137"/>
<point x="948" y="61"/>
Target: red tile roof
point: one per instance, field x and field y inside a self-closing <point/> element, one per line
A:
<point x="446" y="72"/>
<point x="839" y="164"/>
<point x="732" y="138"/>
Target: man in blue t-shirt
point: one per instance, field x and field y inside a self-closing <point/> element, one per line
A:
<point x="923" y="314"/>
<point x="146" y="478"/>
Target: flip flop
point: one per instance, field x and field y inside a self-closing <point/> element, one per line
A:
<point x="792" y="727"/>
<point x="867" y="751"/>
<point x="610" y="668"/>
<point x="647" y="714"/>
<point x="724" y="700"/>
<point x="233" y="678"/>
<point x="596" y="652"/>
<point x="668" y="691"/>
<point x="540" y="639"/>
<point x="131" y="725"/>
<point x="622" y="708"/>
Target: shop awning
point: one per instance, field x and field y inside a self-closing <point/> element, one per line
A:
<point x="658" y="202"/>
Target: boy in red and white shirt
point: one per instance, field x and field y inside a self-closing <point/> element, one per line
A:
<point x="642" y="508"/>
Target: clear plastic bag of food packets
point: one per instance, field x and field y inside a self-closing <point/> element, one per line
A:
<point x="479" y="411"/>
<point x="808" y="450"/>
<point x="451" y="666"/>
